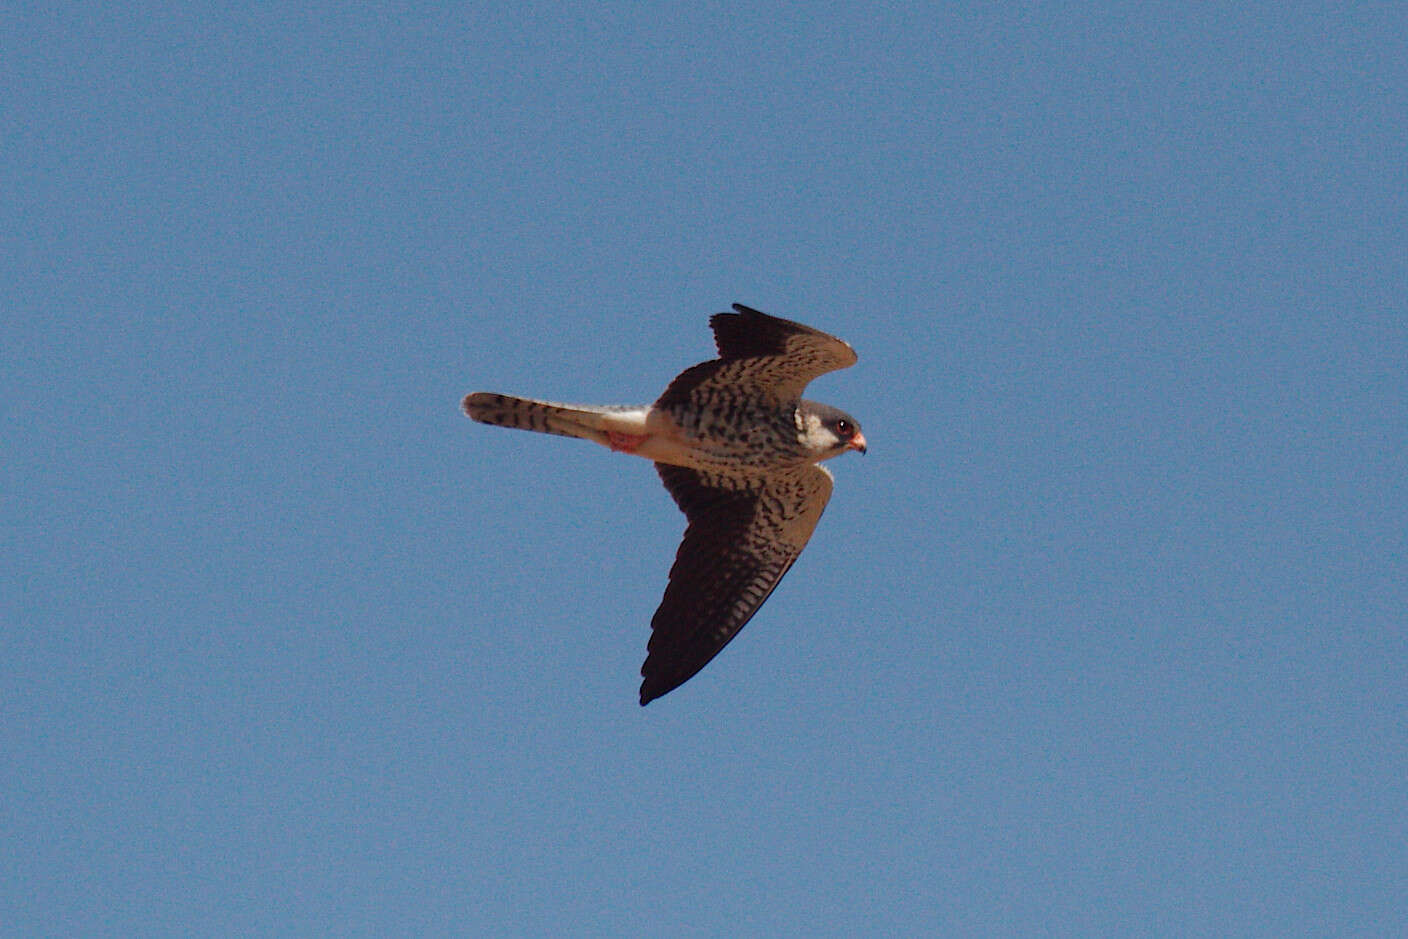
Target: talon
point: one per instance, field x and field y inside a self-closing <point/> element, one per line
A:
<point x="625" y="443"/>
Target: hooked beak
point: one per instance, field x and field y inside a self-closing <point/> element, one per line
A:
<point x="857" y="443"/>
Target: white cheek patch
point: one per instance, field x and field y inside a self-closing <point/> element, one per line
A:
<point x="817" y="437"/>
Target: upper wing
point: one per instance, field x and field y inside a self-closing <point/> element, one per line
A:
<point x="743" y="535"/>
<point x="761" y="355"/>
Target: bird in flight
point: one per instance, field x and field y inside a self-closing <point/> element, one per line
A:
<point x="738" y="449"/>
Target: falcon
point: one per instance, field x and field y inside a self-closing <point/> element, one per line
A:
<point x="739" y="451"/>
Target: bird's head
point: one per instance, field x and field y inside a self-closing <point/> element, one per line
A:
<point x="829" y="432"/>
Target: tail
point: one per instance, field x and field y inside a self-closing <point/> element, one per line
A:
<point x="547" y="417"/>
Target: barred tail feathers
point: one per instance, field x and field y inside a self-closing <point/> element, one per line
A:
<point x="548" y="417"/>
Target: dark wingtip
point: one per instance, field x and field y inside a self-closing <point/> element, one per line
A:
<point x="739" y="311"/>
<point x="656" y="687"/>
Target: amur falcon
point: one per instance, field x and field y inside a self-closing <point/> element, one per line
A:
<point x="738" y="449"/>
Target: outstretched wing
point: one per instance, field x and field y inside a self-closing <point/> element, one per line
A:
<point x="743" y="534"/>
<point x="760" y="356"/>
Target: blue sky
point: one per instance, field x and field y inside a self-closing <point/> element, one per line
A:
<point x="1105" y="635"/>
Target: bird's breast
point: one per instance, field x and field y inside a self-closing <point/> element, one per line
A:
<point x="740" y="436"/>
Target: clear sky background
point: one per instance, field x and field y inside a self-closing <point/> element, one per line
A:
<point x="1105" y="635"/>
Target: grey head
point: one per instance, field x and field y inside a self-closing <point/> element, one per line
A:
<point x="829" y="431"/>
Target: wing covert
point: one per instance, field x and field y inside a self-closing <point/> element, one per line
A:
<point x="761" y="355"/>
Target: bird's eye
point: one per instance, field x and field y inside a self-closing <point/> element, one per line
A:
<point x="843" y="427"/>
